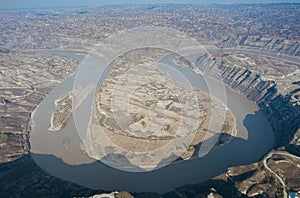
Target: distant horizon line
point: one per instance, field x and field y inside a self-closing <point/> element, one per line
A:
<point x="140" y="4"/>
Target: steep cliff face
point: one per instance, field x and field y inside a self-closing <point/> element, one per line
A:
<point x="240" y="79"/>
<point x="282" y="114"/>
<point x="284" y="118"/>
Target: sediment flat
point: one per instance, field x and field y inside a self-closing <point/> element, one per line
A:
<point x="122" y="108"/>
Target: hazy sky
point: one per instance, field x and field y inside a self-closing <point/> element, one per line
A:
<point x="17" y="4"/>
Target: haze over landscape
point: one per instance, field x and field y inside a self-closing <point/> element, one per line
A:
<point x="150" y="99"/>
<point x="20" y="4"/>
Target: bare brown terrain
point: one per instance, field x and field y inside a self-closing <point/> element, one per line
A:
<point x="288" y="168"/>
<point x="268" y="77"/>
<point x="26" y="78"/>
<point x="147" y="133"/>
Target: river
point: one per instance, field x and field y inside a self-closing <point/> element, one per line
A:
<point x="58" y="153"/>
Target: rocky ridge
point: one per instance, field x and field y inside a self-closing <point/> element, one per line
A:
<point x="280" y="110"/>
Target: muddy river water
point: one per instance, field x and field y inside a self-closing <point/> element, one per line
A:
<point x="59" y="154"/>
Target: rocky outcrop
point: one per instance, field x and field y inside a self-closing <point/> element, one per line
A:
<point x="282" y="114"/>
<point x="284" y="118"/>
<point x="239" y="79"/>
